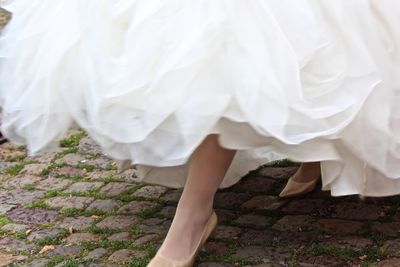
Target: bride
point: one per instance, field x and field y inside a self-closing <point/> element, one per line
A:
<point x="199" y="92"/>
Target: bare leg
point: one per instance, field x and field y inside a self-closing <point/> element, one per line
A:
<point x="208" y="166"/>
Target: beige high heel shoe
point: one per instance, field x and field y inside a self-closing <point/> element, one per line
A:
<point x="160" y="261"/>
<point x="294" y="188"/>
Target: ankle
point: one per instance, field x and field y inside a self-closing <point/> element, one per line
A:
<point x="308" y="172"/>
<point x="188" y="205"/>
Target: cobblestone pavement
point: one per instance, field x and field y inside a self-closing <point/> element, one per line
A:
<point x="71" y="208"/>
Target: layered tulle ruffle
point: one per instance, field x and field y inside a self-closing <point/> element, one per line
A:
<point x="150" y="79"/>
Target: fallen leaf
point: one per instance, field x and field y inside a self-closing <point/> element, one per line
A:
<point x="46" y="249"/>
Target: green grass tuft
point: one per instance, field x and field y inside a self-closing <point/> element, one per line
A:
<point x="4" y="220"/>
<point x="38" y="204"/>
<point x="29" y="187"/>
<point x="87" y="167"/>
<point x="14" y="170"/>
<point x="73" y="140"/>
<point x="51" y="168"/>
<point x="284" y="163"/>
<point x="139" y="262"/>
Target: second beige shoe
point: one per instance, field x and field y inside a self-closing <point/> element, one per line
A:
<point x="294" y="188"/>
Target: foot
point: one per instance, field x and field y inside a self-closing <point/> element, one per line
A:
<point x="185" y="234"/>
<point x="303" y="181"/>
<point x="307" y="172"/>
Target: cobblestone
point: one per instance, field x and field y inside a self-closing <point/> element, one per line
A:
<point x="71" y="159"/>
<point x="4" y="208"/>
<point x="251" y="220"/>
<point x="82" y="187"/>
<point x="53" y="184"/>
<point x="358" y="211"/>
<point x="77" y="238"/>
<point x="33" y="169"/>
<point x="230" y="200"/>
<point x="118" y="222"/>
<point x="294" y="223"/>
<point x="250" y="252"/>
<point x="392" y="247"/>
<point x="145" y="239"/>
<point x="97" y="254"/>
<point x="395" y="262"/>
<point x="20" y="196"/>
<point x="340" y="227"/>
<point x="256" y="237"/>
<point x="227" y="232"/>
<point x="69" y="171"/>
<point x="76" y="223"/>
<point x="99" y="175"/>
<point x="21" y="181"/>
<point x="37" y="263"/>
<point x="7" y="259"/>
<point x="110" y="224"/>
<point x="105" y="205"/>
<point x="115" y="189"/>
<point x="87" y="145"/>
<point x="136" y="206"/>
<point x="216" y="248"/>
<point x="172" y="197"/>
<point x="154" y="226"/>
<point x="121" y="236"/>
<point x="8" y="243"/>
<point x="12" y="227"/>
<point x="264" y="203"/>
<point x="151" y="192"/>
<point x="319" y="207"/>
<point x="66" y="251"/>
<point x="126" y="255"/>
<point x="32" y="216"/>
<point x="41" y="234"/>
<point x="69" y="202"/>
<point x="391" y="229"/>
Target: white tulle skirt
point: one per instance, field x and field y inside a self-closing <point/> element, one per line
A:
<point x="150" y="79"/>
